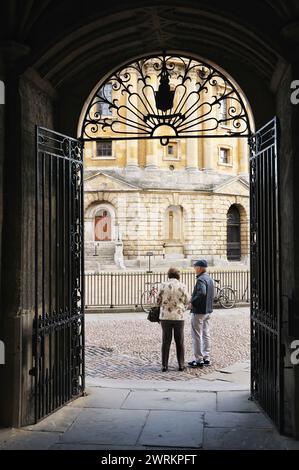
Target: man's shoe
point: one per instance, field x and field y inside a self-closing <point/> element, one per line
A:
<point x="194" y="364"/>
<point x="164" y="369"/>
<point x="182" y="368"/>
<point x="207" y="362"/>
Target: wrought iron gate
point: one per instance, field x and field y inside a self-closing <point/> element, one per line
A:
<point x="266" y="357"/>
<point x="58" y="340"/>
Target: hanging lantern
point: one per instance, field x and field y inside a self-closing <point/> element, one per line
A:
<point x="164" y="96"/>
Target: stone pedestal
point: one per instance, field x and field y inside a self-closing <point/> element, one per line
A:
<point x="174" y="249"/>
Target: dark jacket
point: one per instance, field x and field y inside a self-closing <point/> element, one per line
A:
<point x="203" y="294"/>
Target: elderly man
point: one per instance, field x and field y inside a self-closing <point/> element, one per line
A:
<point x="201" y="308"/>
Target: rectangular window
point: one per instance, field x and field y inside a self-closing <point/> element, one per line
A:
<point x="104" y="148"/>
<point x="224" y="156"/>
<point x="172" y="150"/>
<point x="105" y="93"/>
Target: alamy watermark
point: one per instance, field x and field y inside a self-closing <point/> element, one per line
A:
<point x="295" y="94"/>
<point x="295" y="354"/>
<point x="2" y="92"/>
<point x="2" y="353"/>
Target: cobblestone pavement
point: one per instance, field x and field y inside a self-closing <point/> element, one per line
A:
<point x="127" y="346"/>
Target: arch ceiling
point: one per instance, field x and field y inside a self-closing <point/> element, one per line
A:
<point x="64" y="39"/>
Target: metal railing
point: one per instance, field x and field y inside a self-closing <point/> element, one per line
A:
<point x="124" y="289"/>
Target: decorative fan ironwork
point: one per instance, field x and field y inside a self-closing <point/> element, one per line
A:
<point x="164" y="97"/>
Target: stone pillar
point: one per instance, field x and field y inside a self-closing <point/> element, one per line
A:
<point x="243" y="153"/>
<point x="151" y="146"/>
<point x="132" y="145"/>
<point x="209" y="155"/>
<point x="288" y="115"/>
<point x="27" y="103"/>
<point x="209" y="147"/>
<point x="192" y="154"/>
<point x="151" y="154"/>
<point x="192" y="143"/>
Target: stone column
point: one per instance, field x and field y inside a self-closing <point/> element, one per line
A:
<point x="192" y="143"/>
<point x="243" y="150"/>
<point x="192" y="154"/>
<point x="132" y="145"/>
<point x="209" y="147"/>
<point x="210" y="156"/>
<point x="151" y="147"/>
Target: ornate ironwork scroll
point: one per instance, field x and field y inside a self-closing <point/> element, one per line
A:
<point x="163" y="97"/>
<point x="266" y="354"/>
<point x="58" y="330"/>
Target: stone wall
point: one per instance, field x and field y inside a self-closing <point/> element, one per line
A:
<point x="142" y="215"/>
<point x="30" y="104"/>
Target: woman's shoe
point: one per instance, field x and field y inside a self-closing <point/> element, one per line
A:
<point x="164" y="369"/>
<point x="182" y="368"/>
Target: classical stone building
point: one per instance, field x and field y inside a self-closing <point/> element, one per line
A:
<point x="180" y="201"/>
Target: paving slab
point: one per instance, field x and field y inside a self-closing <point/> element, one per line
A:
<point x="237" y="367"/>
<point x="6" y="434"/>
<point x="101" y="398"/>
<point x="235" y="401"/>
<point x="108" y="447"/>
<point x="169" y="400"/>
<point x="237" y="378"/>
<point x="241" y="439"/>
<point x="59" y="421"/>
<point x="173" y="429"/>
<point x="106" y="427"/>
<point x="289" y="443"/>
<point x="202" y="384"/>
<point x="93" y="447"/>
<point x="32" y="440"/>
<point x="224" y="419"/>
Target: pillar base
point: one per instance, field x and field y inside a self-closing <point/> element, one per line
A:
<point x="151" y="167"/>
<point x="132" y="167"/>
<point x="192" y="169"/>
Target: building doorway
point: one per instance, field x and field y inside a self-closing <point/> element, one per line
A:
<point x="102" y="226"/>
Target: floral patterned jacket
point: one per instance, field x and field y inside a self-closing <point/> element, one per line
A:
<point x="173" y="299"/>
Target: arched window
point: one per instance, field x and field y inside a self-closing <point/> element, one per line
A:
<point x="233" y="234"/>
<point x="102" y="225"/>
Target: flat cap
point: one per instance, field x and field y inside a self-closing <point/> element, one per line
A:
<point x="202" y="263"/>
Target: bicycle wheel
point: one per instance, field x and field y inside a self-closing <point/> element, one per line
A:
<point x="227" y="297"/>
<point x="147" y="301"/>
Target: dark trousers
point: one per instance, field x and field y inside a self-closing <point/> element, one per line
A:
<point x="176" y="326"/>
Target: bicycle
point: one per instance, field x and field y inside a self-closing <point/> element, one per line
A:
<point x="226" y="295"/>
<point x="149" y="296"/>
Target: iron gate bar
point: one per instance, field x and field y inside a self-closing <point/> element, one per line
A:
<point x="58" y="327"/>
<point x="266" y="353"/>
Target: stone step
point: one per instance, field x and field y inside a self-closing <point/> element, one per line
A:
<point x="99" y="260"/>
<point x="100" y="250"/>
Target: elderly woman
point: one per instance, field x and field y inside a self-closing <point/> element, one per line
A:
<point x="173" y="299"/>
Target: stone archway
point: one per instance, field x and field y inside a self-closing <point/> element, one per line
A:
<point x="229" y="37"/>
